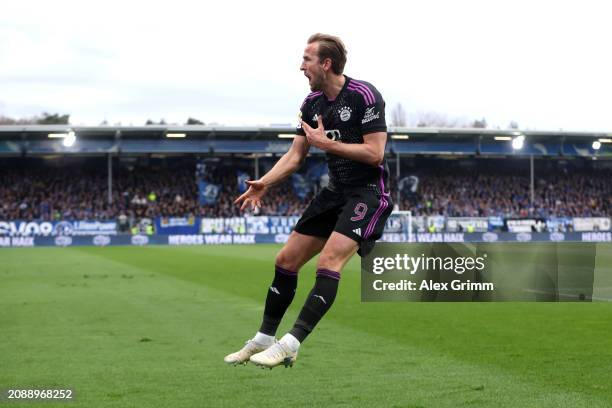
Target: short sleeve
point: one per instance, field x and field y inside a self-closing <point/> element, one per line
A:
<point x="371" y="107"/>
<point x="306" y="113"/>
<point x="303" y="114"/>
<point x="373" y="118"/>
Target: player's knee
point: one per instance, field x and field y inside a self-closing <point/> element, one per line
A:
<point x="286" y="261"/>
<point x="330" y="261"/>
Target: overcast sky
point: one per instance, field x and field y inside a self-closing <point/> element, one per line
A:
<point x="546" y="65"/>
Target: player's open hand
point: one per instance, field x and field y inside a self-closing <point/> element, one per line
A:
<point x="257" y="189"/>
<point x="316" y="137"/>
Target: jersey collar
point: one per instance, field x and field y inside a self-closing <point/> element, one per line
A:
<point x="346" y="82"/>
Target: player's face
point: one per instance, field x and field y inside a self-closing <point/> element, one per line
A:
<point x="312" y="67"/>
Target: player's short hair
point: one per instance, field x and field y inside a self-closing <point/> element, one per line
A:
<point x="330" y="47"/>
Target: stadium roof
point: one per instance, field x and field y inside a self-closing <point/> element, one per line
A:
<point x="198" y="139"/>
<point x="249" y="131"/>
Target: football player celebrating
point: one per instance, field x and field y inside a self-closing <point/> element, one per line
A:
<point x="345" y="118"/>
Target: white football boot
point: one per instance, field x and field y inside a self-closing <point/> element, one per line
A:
<point x="278" y="353"/>
<point x="242" y="356"/>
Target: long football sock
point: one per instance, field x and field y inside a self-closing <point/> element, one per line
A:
<point x="279" y="298"/>
<point x="319" y="301"/>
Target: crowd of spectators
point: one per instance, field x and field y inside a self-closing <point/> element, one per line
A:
<point x="48" y="194"/>
<point x="57" y="193"/>
<point x="457" y="193"/>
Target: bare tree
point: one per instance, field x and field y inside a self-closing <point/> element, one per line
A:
<point x="398" y="116"/>
<point x="150" y="122"/>
<point x="45" y="119"/>
<point x="54" y="119"/>
<point x="436" y="119"/>
<point x="5" y="120"/>
<point x="480" y="124"/>
<point x="194" y="121"/>
<point x="513" y="125"/>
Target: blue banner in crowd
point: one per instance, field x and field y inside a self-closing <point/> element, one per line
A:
<point x="301" y="186"/>
<point x="241" y="178"/>
<point x="316" y="171"/>
<point x="208" y="193"/>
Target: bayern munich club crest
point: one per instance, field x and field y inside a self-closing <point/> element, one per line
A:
<point x="345" y="113"/>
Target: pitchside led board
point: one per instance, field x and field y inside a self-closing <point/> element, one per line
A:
<point x="483" y="272"/>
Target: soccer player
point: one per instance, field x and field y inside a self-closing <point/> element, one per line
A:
<point x="345" y="118"/>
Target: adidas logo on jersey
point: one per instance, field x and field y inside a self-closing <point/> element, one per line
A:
<point x="357" y="231"/>
<point x="273" y="289"/>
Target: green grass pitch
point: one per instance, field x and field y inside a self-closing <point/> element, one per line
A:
<point x="148" y="327"/>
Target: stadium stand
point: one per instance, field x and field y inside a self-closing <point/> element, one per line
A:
<point x="74" y="192"/>
<point x="503" y="193"/>
<point x="472" y="188"/>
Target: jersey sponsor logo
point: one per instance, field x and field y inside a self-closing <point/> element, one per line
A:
<point x="333" y="134"/>
<point x="345" y="113"/>
<point x="370" y="115"/>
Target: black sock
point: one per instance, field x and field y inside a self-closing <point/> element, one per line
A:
<point x="319" y="301"/>
<point x="280" y="295"/>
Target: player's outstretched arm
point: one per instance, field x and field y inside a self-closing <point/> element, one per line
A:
<point x="284" y="167"/>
